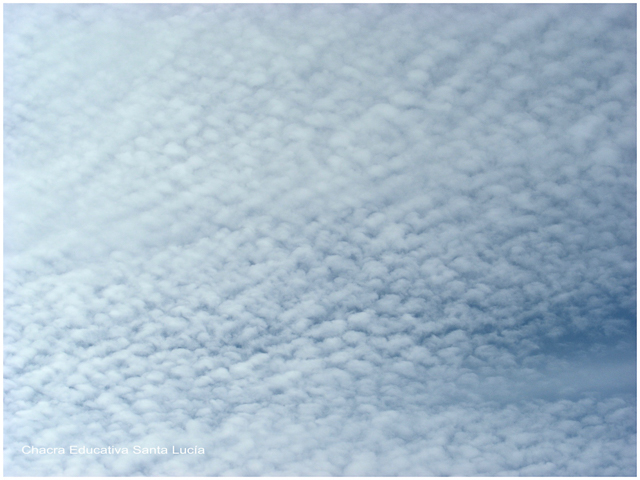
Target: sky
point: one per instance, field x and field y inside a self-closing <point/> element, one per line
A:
<point x="320" y="240"/>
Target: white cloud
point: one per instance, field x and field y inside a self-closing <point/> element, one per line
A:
<point x="321" y="239"/>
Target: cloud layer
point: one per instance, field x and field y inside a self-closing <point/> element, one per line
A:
<point x="321" y="239"/>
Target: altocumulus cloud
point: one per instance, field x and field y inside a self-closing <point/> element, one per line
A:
<point x="321" y="239"/>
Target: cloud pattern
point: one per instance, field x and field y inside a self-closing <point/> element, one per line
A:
<point x="321" y="239"/>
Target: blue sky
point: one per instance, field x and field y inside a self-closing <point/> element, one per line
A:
<point x="321" y="239"/>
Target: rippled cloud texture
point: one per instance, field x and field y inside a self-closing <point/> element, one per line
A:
<point x="321" y="240"/>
